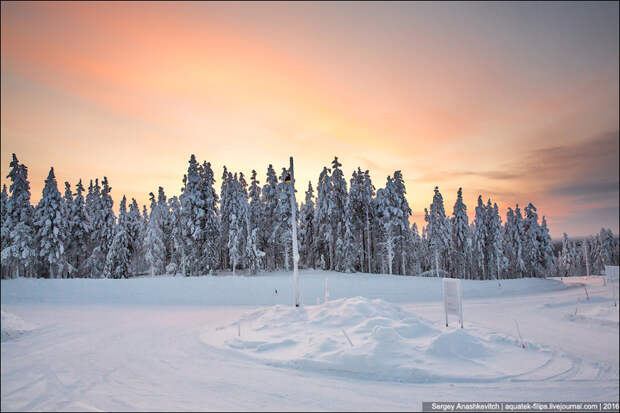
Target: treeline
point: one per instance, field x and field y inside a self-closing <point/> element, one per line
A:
<point x="348" y="228"/>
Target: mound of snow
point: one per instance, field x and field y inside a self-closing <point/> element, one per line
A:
<point x="376" y="339"/>
<point x="459" y="344"/>
<point x="12" y="326"/>
<point x="604" y="315"/>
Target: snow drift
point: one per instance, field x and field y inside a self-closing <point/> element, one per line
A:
<point x="375" y="339"/>
<point x="12" y="326"/>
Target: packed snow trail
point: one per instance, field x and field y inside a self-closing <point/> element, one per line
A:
<point x="140" y="344"/>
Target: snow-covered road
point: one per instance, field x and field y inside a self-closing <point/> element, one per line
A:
<point x="136" y="344"/>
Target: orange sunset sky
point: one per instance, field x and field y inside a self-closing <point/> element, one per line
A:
<point x="517" y="102"/>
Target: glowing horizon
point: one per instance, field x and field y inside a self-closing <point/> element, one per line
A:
<point x="517" y="102"/>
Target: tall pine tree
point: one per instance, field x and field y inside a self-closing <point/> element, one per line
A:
<point x="51" y="229"/>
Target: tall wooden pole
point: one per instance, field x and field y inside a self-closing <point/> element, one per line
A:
<point x="294" y="227"/>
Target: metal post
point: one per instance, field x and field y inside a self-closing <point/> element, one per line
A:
<point x="294" y="227"/>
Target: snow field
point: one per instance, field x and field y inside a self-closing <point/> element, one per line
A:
<point x="259" y="290"/>
<point x="175" y="343"/>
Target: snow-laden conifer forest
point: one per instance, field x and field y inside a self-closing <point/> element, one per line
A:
<point x="246" y="227"/>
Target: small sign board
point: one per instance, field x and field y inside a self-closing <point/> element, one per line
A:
<point x="453" y="298"/>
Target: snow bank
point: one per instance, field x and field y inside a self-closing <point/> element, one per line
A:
<point x="228" y="290"/>
<point x="596" y="312"/>
<point x="11" y="326"/>
<point x="386" y="343"/>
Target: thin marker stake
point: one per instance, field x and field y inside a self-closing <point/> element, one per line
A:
<point x="519" y="332"/>
<point x="347" y="336"/>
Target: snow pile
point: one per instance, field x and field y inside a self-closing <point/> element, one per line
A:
<point x="376" y="339"/>
<point x="597" y="311"/>
<point x="11" y="326"/>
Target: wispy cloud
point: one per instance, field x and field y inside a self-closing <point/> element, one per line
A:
<point x="444" y="176"/>
<point x="590" y="189"/>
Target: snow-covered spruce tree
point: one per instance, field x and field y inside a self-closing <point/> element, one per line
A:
<point x="4" y="230"/>
<point x="268" y="218"/>
<point x="77" y="229"/>
<point x="282" y="238"/>
<point x="254" y="254"/>
<point x="306" y="230"/>
<point x="580" y="256"/>
<point x="366" y="197"/>
<point x="404" y="235"/>
<point x="18" y="252"/>
<point x="351" y="247"/>
<point x="142" y="265"/>
<point x="209" y="222"/>
<point x="91" y="207"/>
<point x="577" y="258"/>
<point x="135" y="225"/>
<point x="108" y="217"/>
<point x="388" y="218"/>
<point x="598" y="256"/>
<point x="355" y="223"/>
<point x="513" y="235"/>
<point x="80" y="231"/>
<point x="154" y="242"/>
<point x="224" y="217"/>
<point x="531" y="244"/>
<point x="254" y="196"/>
<point x="119" y="254"/>
<point x="546" y="258"/>
<point x="480" y="240"/>
<point x="67" y="211"/>
<point x="238" y="221"/>
<point x="439" y="231"/>
<point x="164" y="222"/>
<point x="428" y="253"/>
<point x="176" y="238"/>
<point x="431" y="259"/>
<point x="415" y="251"/>
<point x="520" y="224"/>
<point x="4" y="199"/>
<point x="51" y="231"/>
<point x="609" y="243"/>
<point x="339" y="251"/>
<point x="592" y="252"/>
<point x="254" y="226"/>
<point x="102" y="223"/>
<point x="603" y="251"/>
<point x="565" y="263"/>
<point x="193" y="219"/>
<point x="336" y="210"/>
<point x="497" y="261"/>
<point x="321" y="225"/>
<point x="460" y="237"/>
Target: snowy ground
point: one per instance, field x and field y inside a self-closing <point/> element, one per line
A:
<point x="231" y="343"/>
